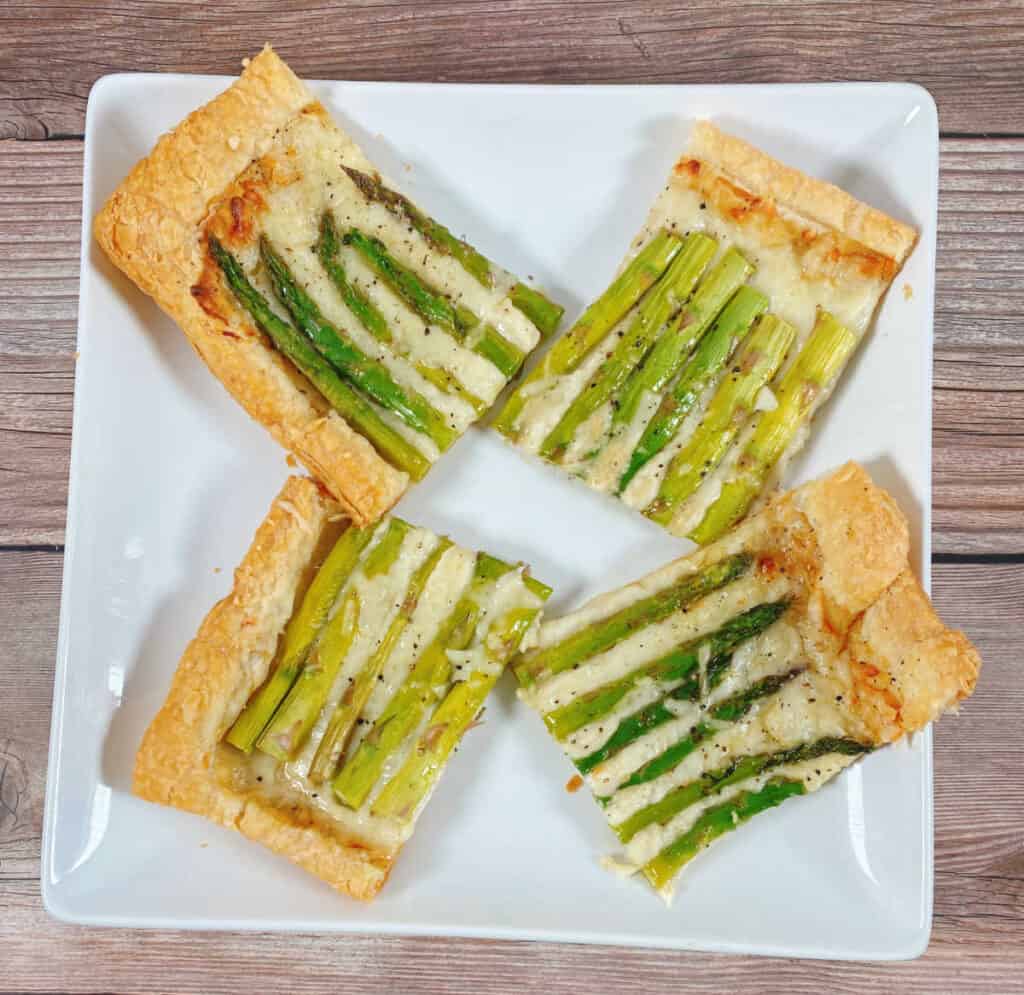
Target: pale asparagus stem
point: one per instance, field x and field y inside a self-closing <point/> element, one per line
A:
<point x="295" y="718"/>
<point x="404" y="794"/>
<point x="596" y="322"/>
<point x="429" y="675"/>
<point x="815" y="370"/>
<point x="705" y="364"/>
<point x="667" y="357"/>
<point x="753" y="366"/>
<point x="660" y="310"/>
<point x="299" y="635"/>
<point x="341" y="723"/>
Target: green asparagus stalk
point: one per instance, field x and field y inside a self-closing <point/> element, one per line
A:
<point x="435" y="308"/>
<point x="382" y="557"/>
<point x="420" y="690"/>
<point x="755" y="364"/>
<point x="676" y="665"/>
<point x="429" y="675"/>
<point x="815" y="370"/>
<point x="544" y="314"/>
<point x="439" y="237"/>
<point x="741" y="769"/>
<point x="368" y="375"/>
<point x="669" y="354"/>
<point x="339" y="728"/>
<point x="602" y="635"/>
<point x="446" y="382"/>
<point x="716" y="822"/>
<point x="596" y="322"/>
<point x="506" y="356"/>
<point x="708" y="359"/>
<point x="660" y="310"/>
<point x="299" y="635"/>
<point x="293" y="721"/>
<point x="293" y="344"/>
<point x="328" y="248"/>
<point x="730" y="710"/>
<point x="430" y="305"/>
<point x="404" y="794"/>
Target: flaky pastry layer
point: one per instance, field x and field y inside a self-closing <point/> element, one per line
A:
<point x="151" y="229"/>
<point x="227" y="660"/>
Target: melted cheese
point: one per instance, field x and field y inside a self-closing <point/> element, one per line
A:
<point x="654" y="641"/>
<point x="380" y="598"/>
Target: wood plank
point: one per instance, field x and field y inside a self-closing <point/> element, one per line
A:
<point x="978" y="401"/>
<point x="78" y="958"/>
<point x="979" y="898"/>
<point x="35" y="438"/>
<point x="54" y="52"/>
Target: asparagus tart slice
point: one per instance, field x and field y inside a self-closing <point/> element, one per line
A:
<point x="321" y="700"/>
<point x="362" y="332"/>
<point x="688" y="385"/>
<point x="748" y="673"/>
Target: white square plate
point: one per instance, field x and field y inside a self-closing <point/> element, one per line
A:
<point x="169" y="479"/>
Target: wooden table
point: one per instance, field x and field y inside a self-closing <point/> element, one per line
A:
<point x="968" y="54"/>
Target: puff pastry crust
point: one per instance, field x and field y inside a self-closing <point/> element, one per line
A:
<point x="902" y="666"/>
<point x="179" y="762"/>
<point x="151" y="229"/>
<point x="812" y="198"/>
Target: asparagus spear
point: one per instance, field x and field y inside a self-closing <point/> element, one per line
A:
<point x="676" y="665"/>
<point x="291" y="725"/>
<point x="662" y="308"/>
<point x="403" y="795"/>
<point x="327" y="249"/>
<point x="347" y="402"/>
<point x="755" y="364"/>
<point x="435" y="308"/>
<point x="446" y="381"/>
<point x="420" y="690"/>
<point x="544" y="314"/>
<point x="368" y="375"/>
<point x="731" y="710"/>
<point x="671" y="351"/>
<point x="599" y="636"/>
<point x="476" y="265"/>
<point x="741" y="769"/>
<point x="353" y="701"/>
<point x="607" y="311"/>
<point x="712" y="352"/>
<point x="815" y="370"/>
<point x="716" y="822"/>
<point x="382" y="557"/>
<point x="302" y="629"/>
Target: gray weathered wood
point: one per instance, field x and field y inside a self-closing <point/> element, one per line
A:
<point x="979" y="850"/>
<point x="967" y="54"/>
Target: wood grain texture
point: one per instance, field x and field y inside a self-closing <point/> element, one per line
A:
<point x="967" y="54"/>
<point x="979" y="388"/>
<point x="979" y="883"/>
